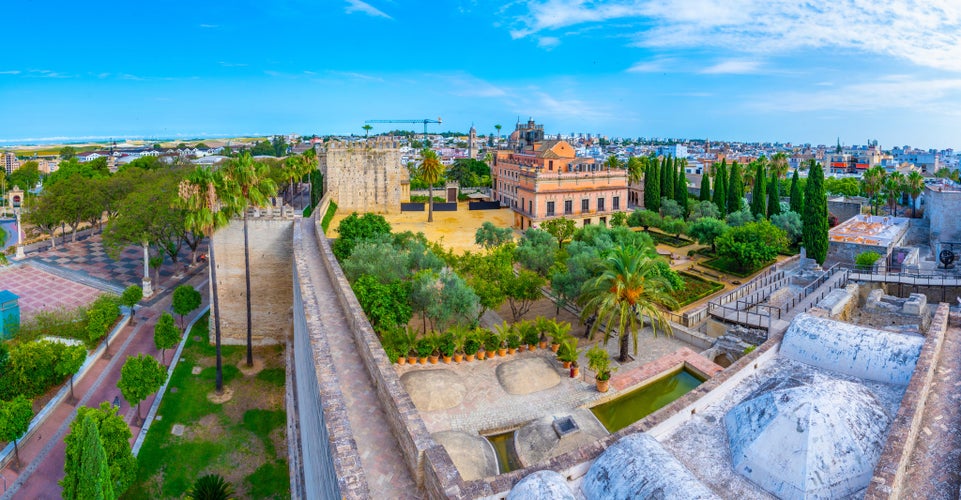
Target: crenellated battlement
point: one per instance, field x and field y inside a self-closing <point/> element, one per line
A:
<point x="364" y="175"/>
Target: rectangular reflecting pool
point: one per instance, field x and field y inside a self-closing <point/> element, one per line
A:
<point x="504" y="449"/>
<point x="630" y="407"/>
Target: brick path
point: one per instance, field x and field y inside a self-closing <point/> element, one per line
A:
<point x="387" y="475"/>
<point x="935" y="467"/>
<point x="39" y="290"/>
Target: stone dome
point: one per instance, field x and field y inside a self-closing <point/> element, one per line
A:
<point x="637" y="466"/>
<point x="541" y="485"/>
<point x="799" y="440"/>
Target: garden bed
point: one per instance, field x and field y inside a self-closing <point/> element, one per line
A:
<point x="695" y="289"/>
<point x="730" y="266"/>
<point x="671" y="241"/>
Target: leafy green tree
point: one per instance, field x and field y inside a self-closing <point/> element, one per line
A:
<point x="26" y="177"/>
<point x="100" y="317"/>
<point x="704" y="208"/>
<point x="865" y="260"/>
<point x="652" y="189"/>
<point x="720" y="186"/>
<point x="44" y="214"/>
<point x="71" y="359"/>
<point x="752" y="245"/>
<point x="455" y="303"/>
<point x="252" y="187"/>
<point x="129" y="298"/>
<point x="644" y="218"/>
<point x="486" y="273"/>
<point x="469" y="172"/>
<point x="186" y="299"/>
<point x="618" y="219"/>
<point x="914" y="186"/>
<point x="15" y="416"/>
<point x="735" y="188"/>
<point x="165" y="335"/>
<point x="537" y="251"/>
<point x="353" y="229"/>
<point x="846" y="186"/>
<point x="674" y="226"/>
<point x="115" y="438"/>
<point x="86" y="471"/>
<point x="561" y="229"/>
<point x="67" y="153"/>
<point x="490" y="236"/>
<point x="797" y="198"/>
<point x="629" y="288"/>
<point x="815" y="216"/>
<point x="522" y="290"/>
<point x="680" y="190"/>
<point x="212" y="486"/>
<point x="790" y="223"/>
<point x="773" y="196"/>
<point x="707" y="230"/>
<point x="759" y="195"/>
<point x="140" y="377"/>
<point x="431" y="170"/>
<point x="705" y="194"/>
<point x="667" y="179"/>
<point x="386" y="305"/>
<point x="670" y="208"/>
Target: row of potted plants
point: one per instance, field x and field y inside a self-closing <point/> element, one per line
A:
<point x="597" y="360"/>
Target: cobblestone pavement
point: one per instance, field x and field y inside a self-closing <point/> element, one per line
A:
<point x="89" y="258"/>
<point x="488" y="408"/>
<point x="934" y="470"/>
<point x="386" y="474"/>
<point x="39" y="290"/>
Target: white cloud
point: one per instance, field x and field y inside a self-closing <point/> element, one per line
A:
<point x="887" y="93"/>
<point x="732" y="67"/>
<point x="925" y="33"/>
<point x="648" y="67"/>
<point x="548" y="42"/>
<point x="364" y="8"/>
<point x="357" y="76"/>
<point x="10" y="72"/>
<point x="209" y="26"/>
<point x="465" y="85"/>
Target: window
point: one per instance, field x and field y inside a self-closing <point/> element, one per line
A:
<point x="550" y="208"/>
<point x="616" y="203"/>
<point x="530" y="207"/>
<point x="550" y="165"/>
<point x="585" y="205"/>
<point x="600" y="204"/>
<point x="568" y="207"/>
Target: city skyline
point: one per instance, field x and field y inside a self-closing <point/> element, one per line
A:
<point x="757" y="71"/>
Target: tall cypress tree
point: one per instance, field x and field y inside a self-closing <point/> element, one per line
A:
<point x="773" y="196"/>
<point x="662" y="176"/>
<point x="735" y="188"/>
<point x="797" y="198"/>
<point x="680" y="190"/>
<point x="652" y="188"/>
<point x="705" y="187"/>
<point x="814" y="217"/>
<point x="759" y="196"/>
<point x="720" y="188"/>
<point x="86" y="471"/>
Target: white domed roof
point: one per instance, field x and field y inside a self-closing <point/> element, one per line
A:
<point x="541" y="485"/>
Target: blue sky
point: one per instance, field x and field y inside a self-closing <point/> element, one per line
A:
<point x="721" y="69"/>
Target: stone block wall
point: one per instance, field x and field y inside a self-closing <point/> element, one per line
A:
<point x="364" y="176"/>
<point x="271" y="279"/>
<point x="941" y="209"/>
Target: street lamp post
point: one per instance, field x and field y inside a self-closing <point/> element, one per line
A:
<point x="20" y="254"/>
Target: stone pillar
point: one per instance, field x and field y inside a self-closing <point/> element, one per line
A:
<point x="20" y="254"/>
<point x="147" y="288"/>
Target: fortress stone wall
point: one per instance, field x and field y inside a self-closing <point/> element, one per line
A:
<point x="271" y="278"/>
<point x="363" y="176"/>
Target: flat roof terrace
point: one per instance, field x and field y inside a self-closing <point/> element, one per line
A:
<point x="870" y="230"/>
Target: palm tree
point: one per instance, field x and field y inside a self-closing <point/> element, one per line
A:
<point x="201" y="196"/>
<point x="612" y="162"/>
<point x="252" y="186"/>
<point x="629" y="288"/>
<point x="431" y="170"/>
<point x="893" y="187"/>
<point x="873" y="182"/>
<point x="367" y="128"/>
<point x="308" y="163"/>
<point x="635" y="169"/>
<point x="914" y="185"/>
<point x="498" y="127"/>
<point x="779" y="165"/>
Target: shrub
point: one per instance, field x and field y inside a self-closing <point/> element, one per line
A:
<point x="101" y="316"/>
<point x="599" y="361"/>
<point x="424" y="348"/>
<point x="331" y="210"/>
<point x="33" y="367"/>
<point x="866" y="260"/>
<point x="447" y="344"/>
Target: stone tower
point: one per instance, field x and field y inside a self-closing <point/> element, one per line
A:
<point x="364" y="176"/>
<point x="471" y="138"/>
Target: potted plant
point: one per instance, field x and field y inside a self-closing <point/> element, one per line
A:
<point x="410" y="342"/>
<point x="471" y="345"/>
<point x="599" y="361"/>
<point x="543" y="326"/>
<point x="531" y="336"/>
<point x="480" y="335"/>
<point x="513" y="341"/>
<point x="502" y="331"/>
<point x="434" y="339"/>
<point x="568" y="352"/>
<point x="460" y="336"/>
<point x="446" y="346"/>
<point x="491" y="344"/>
<point x="575" y="369"/>
<point x="558" y="332"/>
<point x="424" y="349"/>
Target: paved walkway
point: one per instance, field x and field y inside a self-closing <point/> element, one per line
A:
<point x="387" y="475"/>
<point x="43" y="455"/>
<point x="935" y="467"/>
<point x="39" y="290"/>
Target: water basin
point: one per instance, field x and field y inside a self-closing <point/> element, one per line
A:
<point x="624" y="410"/>
<point x="504" y="450"/>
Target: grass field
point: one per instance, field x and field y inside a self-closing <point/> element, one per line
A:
<point x="243" y="439"/>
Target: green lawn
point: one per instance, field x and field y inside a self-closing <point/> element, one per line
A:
<point x="695" y="288"/>
<point x="243" y="439"/>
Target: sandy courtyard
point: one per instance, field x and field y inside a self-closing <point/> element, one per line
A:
<point x="454" y="230"/>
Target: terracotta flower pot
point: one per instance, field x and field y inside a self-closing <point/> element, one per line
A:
<point x="522" y="348"/>
<point x="555" y="347"/>
<point x="542" y="344"/>
<point x="566" y="365"/>
<point x="434" y="359"/>
<point x="468" y="357"/>
<point x="458" y="357"/>
<point x="481" y="355"/>
<point x="603" y="385"/>
<point x="401" y="360"/>
<point x="411" y="360"/>
<point x="532" y="347"/>
<point x="502" y="352"/>
<point x="511" y="350"/>
<point x="575" y="371"/>
<point x="446" y="360"/>
<point x="422" y="361"/>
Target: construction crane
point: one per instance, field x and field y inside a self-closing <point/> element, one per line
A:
<point x="425" y="121"/>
